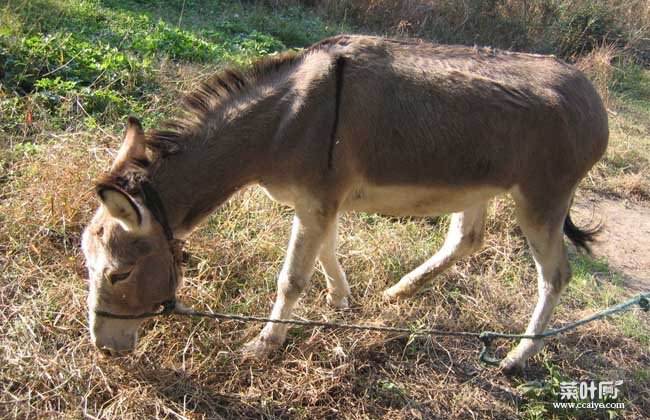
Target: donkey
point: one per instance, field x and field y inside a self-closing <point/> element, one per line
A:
<point x="352" y="123"/>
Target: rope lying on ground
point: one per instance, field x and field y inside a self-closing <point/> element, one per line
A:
<point x="173" y="307"/>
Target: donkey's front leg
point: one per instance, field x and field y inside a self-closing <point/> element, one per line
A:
<point x="338" y="290"/>
<point x="309" y="227"/>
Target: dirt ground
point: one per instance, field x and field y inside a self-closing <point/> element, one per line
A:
<point x="625" y="236"/>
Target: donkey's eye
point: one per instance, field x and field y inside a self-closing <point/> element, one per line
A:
<point x="114" y="278"/>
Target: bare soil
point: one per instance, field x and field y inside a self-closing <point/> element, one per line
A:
<point x="625" y="236"/>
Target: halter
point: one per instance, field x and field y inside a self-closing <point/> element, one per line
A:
<point x="153" y="202"/>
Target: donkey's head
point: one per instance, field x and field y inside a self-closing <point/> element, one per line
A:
<point x="130" y="254"/>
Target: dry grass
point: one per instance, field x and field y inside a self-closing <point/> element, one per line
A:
<point x="599" y="66"/>
<point x="624" y="172"/>
<point x="564" y="27"/>
<point x="185" y="368"/>
<point x="191" y="369"/>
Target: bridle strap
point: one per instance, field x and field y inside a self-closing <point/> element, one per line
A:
<point x="168" y="307"/>
<point x="153" y="202"/>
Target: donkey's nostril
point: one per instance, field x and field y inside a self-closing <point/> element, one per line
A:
<point x="124" y="352"/>
<point x="107" y="352"/>
<point x="115" y="353"/>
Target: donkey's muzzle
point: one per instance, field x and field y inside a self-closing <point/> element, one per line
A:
<point x="113" y="349"/>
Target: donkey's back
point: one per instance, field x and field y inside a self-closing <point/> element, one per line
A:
<point x="413" y="113"/>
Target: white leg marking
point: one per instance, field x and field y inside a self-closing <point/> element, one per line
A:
<point x="338" y="290"/>
<point x="553" y="274"/>
<point x="306" y="239"/>
<point x="465" y="236"/>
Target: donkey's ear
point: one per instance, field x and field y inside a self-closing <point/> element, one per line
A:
<point x="133" y="146"/>
<point x="122" y="207"/>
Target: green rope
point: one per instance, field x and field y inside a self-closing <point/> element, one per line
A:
<point x="486" y="337"/>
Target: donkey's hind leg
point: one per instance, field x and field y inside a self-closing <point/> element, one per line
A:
<point x="542" y="227"/>
<point x="464" y="237"/>
<point x="338" y="290"/>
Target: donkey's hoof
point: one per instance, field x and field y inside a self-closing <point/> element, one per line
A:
<point x="259" y="348"/>
<point x="396" y="293"/>
<point x="511" y="366"/>
<point x="338" y="302"/>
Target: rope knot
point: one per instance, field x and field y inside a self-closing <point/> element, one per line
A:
<point x="644" y="303"/>
<point x="168" y="307"/>
<point x="486" y="338"/>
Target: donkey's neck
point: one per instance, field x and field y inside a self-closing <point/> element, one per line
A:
<point x="230" y="152"/>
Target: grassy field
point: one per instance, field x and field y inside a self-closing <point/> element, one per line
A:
<point x="72" y="70"/>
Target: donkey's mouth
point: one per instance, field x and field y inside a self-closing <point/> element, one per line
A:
<point x="114" y="349"/>
<point x="114" y="337"/>
<point x="108" y="352"/>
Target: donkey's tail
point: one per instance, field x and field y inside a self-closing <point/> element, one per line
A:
<point x="580" y="237"/>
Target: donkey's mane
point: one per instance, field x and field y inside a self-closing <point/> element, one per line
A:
<point x="210" y="95"/>
<point x="207" y="98"/>
<point x="219" y="89"/>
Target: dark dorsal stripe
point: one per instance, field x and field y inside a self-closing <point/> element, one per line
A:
<point x="338" y="70"/>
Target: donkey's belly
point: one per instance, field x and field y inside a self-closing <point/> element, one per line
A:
<point x="416" y="201"/>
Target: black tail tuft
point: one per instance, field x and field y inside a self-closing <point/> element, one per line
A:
<point x="579" y="237"/>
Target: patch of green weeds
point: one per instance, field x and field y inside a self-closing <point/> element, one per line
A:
<point x="632" y="87"/>
<point x="26" y="149"/>
<point x="632" y="327"/>
<point x="97" y="61"/>
<point x="541" y="394"/>
<point x="580" y="28"/>
<point x="641" y="375"/>
<point x="597" y="286"/>
<point x="589" y="276"/>
<point x="391" y="393"/>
